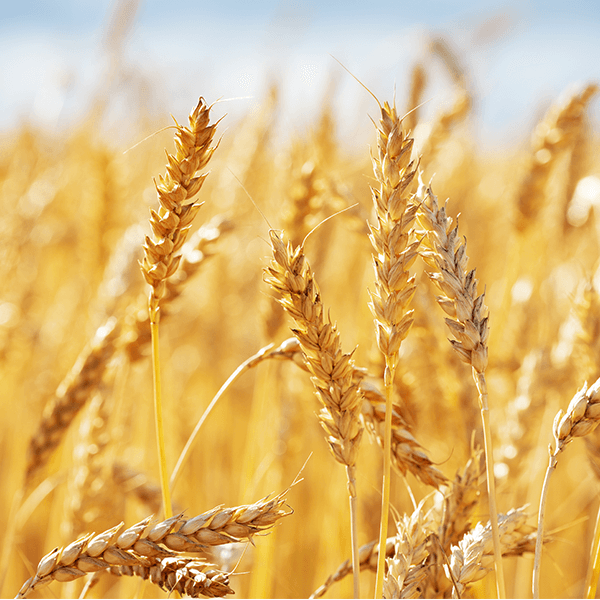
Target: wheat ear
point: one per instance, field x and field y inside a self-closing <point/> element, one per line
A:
<point x="445" y="252"/>
<point x="170" y="226"/>
<point x="393" y="254"/>
<point x="368" y="559"/>
<point x="115" y="547"/>
<point x="71" y="396"/>
<point x="552" y="135"/>
<point x="473" y="557"/>
<point x="189" y="576"/>
<point x="290" y="276"/>
<point x="418" y="81"/>
<point x="406" y="572"/>
<point x="581" y="418"/>
<point x="454" y="513"/>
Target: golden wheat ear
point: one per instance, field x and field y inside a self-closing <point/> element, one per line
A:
<point x="290" y="276"/>
<point x="170" y="227"/>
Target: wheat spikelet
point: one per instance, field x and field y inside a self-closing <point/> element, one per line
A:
<point x="460" y="500"/>
<point x="91" y="498"/>
<point x="552" y="135"/>
<point x="467" y="323"/>
<point x="453" y="513"/>
<point x="580" y="419"/>
<point x="473" y="557"/>
<point x="131" y="334"/>
<point x="137" y="484"/>
<point x="407" y="453"/>
<point x="440" y="46"/>
<point x="177" y="209"/>
<point x="192" y="577"/>
<point x="290" y="275"/>
<point x="587" y="343"/>
<point x="115" y="547"/>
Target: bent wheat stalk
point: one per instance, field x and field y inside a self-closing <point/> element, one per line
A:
<point x="581" y="418"/>
<point x="170" y="226"/>
<point x="448" y="257"/>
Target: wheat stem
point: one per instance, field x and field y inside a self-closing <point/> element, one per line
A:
<point x="387" y="476"/>
<point x="158" y="419"/>
<point x="245" y="366"/>
<point x="594" y="569"/>
<point x="540" y="530"/>
<point x="491" y="484"/>
<point x="351" y="474"/>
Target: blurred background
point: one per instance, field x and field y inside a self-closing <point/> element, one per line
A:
<point x="58" y="57"/>
<point x="84" y="80"/>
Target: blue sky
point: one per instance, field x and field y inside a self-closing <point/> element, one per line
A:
<point x="518" y="55"/>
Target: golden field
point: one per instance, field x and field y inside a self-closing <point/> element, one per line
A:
<point x="78" y="450"/>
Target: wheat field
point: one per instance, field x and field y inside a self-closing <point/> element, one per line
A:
<point x="316" y="283"/>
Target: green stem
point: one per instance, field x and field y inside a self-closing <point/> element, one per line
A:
<point x="158" y="416"/>
<point x="387" y="474"/>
